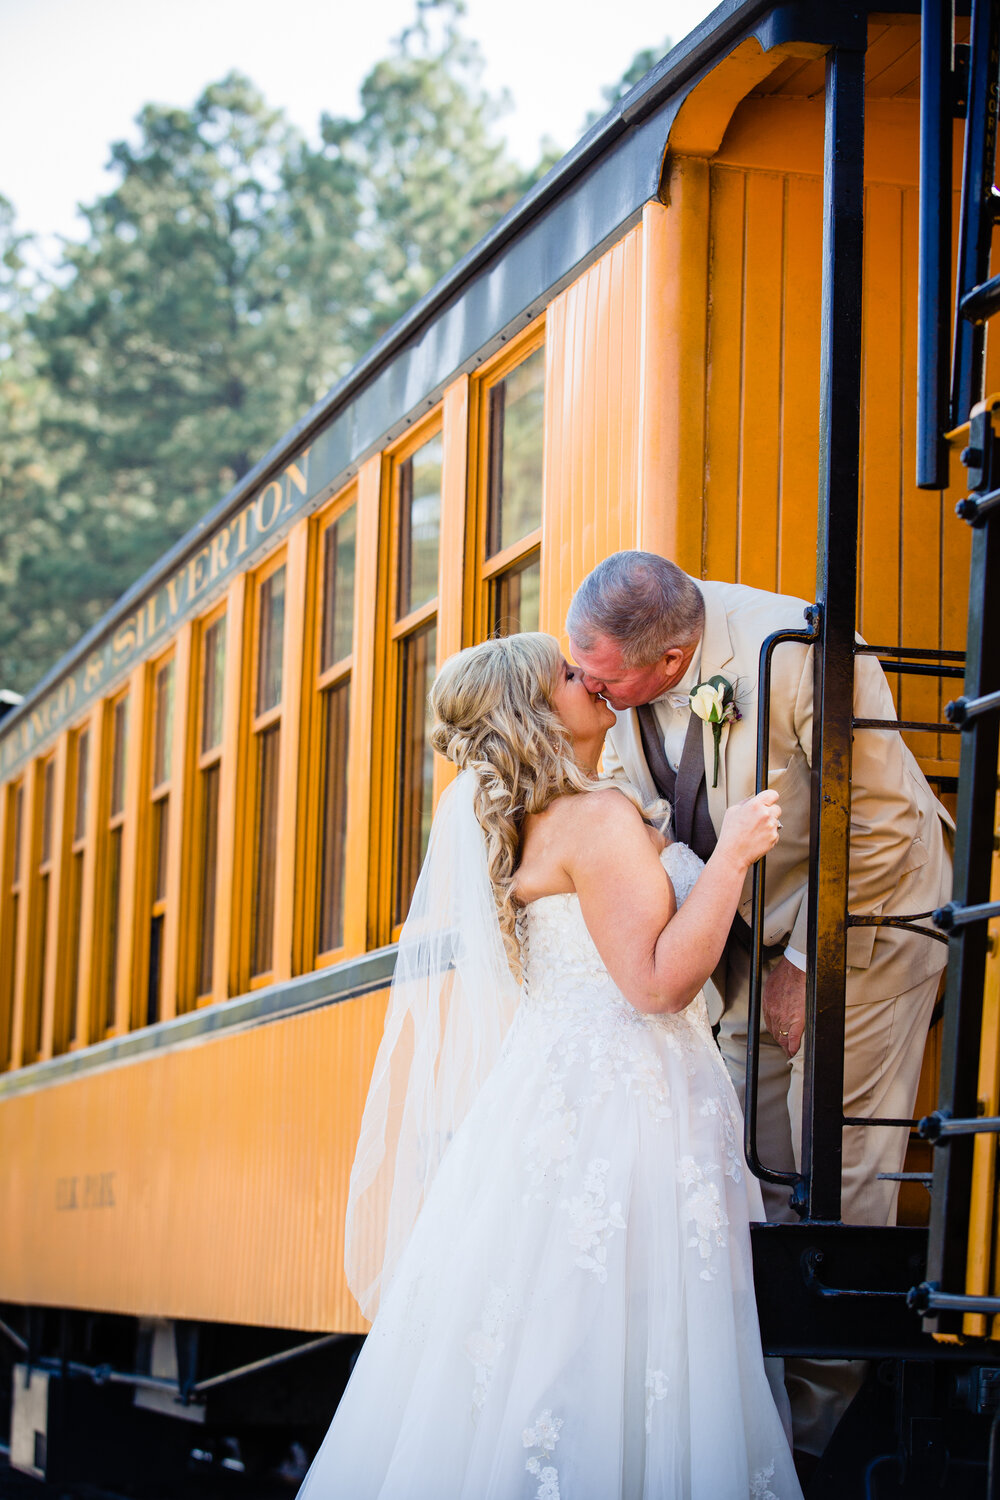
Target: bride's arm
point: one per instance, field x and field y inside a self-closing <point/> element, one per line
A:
<point x="659" y="956"/>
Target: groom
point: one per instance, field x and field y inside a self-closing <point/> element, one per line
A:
<point x="646" y="635"/>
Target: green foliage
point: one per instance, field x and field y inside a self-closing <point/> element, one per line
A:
<point x="433" y="178"/>
<point x="29" y="499"/>
<point x="231" y="276"/>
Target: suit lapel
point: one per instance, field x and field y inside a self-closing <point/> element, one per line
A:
<point x="716" y="654"/>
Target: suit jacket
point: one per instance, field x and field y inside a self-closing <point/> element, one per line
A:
<point x="900" y="833"/>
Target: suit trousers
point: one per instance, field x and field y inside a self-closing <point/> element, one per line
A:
<point x="883" y="1052"/>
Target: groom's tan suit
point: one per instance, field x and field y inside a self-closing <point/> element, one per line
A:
<point x="899" y="865"/>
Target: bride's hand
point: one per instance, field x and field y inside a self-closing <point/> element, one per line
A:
<point x="750" y="828"/>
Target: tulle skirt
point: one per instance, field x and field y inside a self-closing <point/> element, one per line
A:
<point x="574" y="1316"/>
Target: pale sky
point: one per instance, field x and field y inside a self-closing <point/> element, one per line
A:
<point x="74" y="73"/>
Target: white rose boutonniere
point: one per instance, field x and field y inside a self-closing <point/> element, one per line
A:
<point x="714" y="701"/>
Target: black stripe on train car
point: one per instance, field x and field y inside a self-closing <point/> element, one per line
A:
<point x="332" y="986"/>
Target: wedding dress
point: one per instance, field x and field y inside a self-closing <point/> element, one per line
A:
<point x="573" y="1316"/>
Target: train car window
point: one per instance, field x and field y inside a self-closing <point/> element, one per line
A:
<point x="339" y="551"/>
<point x="266" y="761"/>
<point x="339" y="548"/>
<point x="515" y="598"/>
<point x="419" y="498"/>
<point x="10" y="913"/>
<point x="513" y="414"/>
<point x="417" y="527"/>
<point x="212" y="676"/>
<point x="416" y="762"/>
<point x="516" y="427"/>
<point x="270" y="640"/>
<point x="114" y="833"/>
<point x="159" y="827"/>
<point x="40" y="916"/>
<point x="66" y="1032"/>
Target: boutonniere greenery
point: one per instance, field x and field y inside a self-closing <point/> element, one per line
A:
<point x="715" y="702"/>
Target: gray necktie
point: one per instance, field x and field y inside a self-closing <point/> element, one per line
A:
<point x="684" y="789"/>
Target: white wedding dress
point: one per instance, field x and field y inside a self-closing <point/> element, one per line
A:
<point x="573" y="1317"/>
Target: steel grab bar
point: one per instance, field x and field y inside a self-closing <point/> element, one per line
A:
<point x="758" y="1168"/>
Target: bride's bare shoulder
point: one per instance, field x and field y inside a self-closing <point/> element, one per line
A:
<point x="570" y="827"/>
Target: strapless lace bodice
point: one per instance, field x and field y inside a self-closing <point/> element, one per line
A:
<point x="563" y="971"/>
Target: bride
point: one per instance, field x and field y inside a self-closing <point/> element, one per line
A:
<point x="549" y="1205"/>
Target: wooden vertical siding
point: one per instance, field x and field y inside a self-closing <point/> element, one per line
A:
<point x="241" y="1220"/>
<point x="592" y="377"/>
<point x="983" y="1270"/>
<point x="760" y="460"/>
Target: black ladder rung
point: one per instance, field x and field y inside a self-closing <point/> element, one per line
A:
<point x="918" y="668"/>
<point x="916" y="661"/>
<point x="984" y="300"/>
<point x="905" y="724"/>
<point x="917" y="653"/>
<point x="975" y="508"/>
<point x="964" y="711"/>
<point x="928" y="1297"/>
<point x="940" y="1127"/>
<point x="925" y="1177"/>
<point x="878" y="1120"/>
<point x="956" y="915"/>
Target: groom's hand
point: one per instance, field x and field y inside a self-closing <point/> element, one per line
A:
<point x="785" y="1005"/>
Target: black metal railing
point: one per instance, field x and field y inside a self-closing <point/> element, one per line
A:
<point x="816" y="1188"/>
<point x="950" y="77"/>
<point x="953" y="1127"/>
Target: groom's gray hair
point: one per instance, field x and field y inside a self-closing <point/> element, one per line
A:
<point x="643" y="603"/>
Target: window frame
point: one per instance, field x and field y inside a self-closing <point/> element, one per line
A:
<point x="190" y="994"/>
<point x="397" y="632"/>
<point x="12" y="898"/>
<point x="77" y="855"/>
<point x="41" y="895"/>
<point x="516" y="556"/>
<point x="149" y="907"/>
<point x="323" y="680"/>
<point x="259" y="724"/>
<point x="110" y="969"/>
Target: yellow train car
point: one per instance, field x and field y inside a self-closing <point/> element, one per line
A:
<point x="212" y="811"/>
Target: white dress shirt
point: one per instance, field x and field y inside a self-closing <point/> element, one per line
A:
<point x="673" y="711"/>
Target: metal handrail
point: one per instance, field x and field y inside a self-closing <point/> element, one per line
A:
<point x="759" y="1169"/>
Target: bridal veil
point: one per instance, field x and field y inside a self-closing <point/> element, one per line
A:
<point x="452" y="1000"/>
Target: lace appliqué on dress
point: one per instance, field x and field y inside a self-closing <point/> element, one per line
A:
<point x="485" y="1344"/>
<point x="705" y="1212"/>
<point x="734" y="1154"/>
<point x="657" y="1386"/>
<point x="543" y="1436"/>
<point x="591" y="1223"/>
<point x="760" y="1484"/>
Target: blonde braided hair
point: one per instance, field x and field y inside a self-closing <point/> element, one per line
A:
<point x="494" y="713"/>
